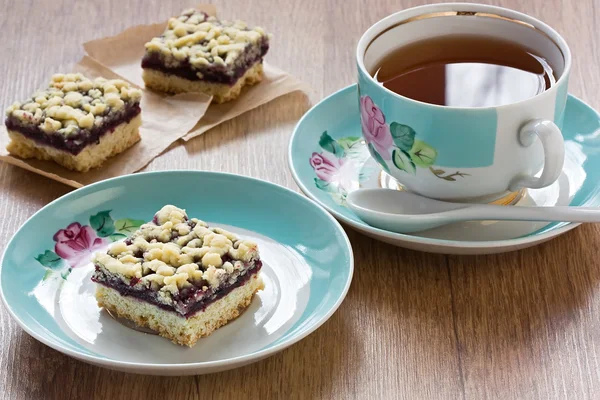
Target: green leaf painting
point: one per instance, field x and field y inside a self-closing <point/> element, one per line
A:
<point x="328" y="144"/>
<point x="127" y="225"/>
<point x="321" y="184"/>
<point x="65" y="273"/>
<point x="102" y="223"/>
<point x="403" y="136"/>
<point x="378" y="158"/>
<point x="403" y="161"/>
<point x="51" y="260"/>
<point x="117" y="236"/>
<point x="48" y="274"/>
<point x="422" y="154"/>
<point x="358" y="152"/>
<point x="349" y="142"/>
<point x="440" y="173"/>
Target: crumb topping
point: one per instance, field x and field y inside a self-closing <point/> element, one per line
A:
<point x="73" y="103"/>
<point x="201" y="40"/>
<point x="173" y="252"/>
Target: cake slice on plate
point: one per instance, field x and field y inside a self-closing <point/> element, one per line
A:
<point x="198" y="53"/>
<point x="76" y="122"/>
<point x="178" y="276"/>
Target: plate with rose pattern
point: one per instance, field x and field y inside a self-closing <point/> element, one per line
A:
<point x="329" y="158"/>
<point x="45" y="274"/>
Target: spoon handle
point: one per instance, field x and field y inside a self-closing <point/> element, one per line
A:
<point x="517" y="213"/>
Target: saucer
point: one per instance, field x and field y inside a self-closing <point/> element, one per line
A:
<point x="306" y="270"/>
<point x="328" y="159"/>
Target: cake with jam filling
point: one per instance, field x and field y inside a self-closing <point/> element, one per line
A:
<point x="76" y="122"/>
<point x="198" y="53"/>
<point x="178" y="276"/>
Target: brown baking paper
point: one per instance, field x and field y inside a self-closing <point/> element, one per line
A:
<point x="164" y="120"/>
<point x="122" y="53"/>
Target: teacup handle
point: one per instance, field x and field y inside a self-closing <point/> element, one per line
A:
<point x="554" y="153"/>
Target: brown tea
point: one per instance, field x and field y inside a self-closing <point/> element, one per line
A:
<point x="465" y="71"/>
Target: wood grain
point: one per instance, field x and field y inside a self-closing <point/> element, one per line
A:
<point x="521" y="325"/>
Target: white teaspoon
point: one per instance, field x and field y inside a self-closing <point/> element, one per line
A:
<point x="405" y="212"/>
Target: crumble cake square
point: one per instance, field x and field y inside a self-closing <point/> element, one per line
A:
<point x="198" y="53"/>
<point x="76" y="122"/>
<point x="178" y="276"/>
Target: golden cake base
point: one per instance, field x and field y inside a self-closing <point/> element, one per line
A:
<point x="221" y="92"/>
<point x="180" y="330"/>
<point x="123" y="137"/>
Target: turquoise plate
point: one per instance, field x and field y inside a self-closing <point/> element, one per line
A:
<point x="45" y="274"/>
<point x="328" y="159"/>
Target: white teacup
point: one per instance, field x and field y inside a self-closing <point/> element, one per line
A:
<point x="464" y="153"/>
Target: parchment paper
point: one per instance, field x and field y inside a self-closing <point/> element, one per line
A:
<point x="165" y="119"/>
<point x="122" y="53"/>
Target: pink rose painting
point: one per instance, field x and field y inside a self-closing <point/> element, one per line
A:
<point x="77" y="243"/>
<point x="340" y="166"/>
<point x="337" y="165"/>
<point x="374" y="128"/>
<point x="326" y="165"/>
<point x="340" y="172"/>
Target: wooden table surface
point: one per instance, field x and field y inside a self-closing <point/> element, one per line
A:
<point x="414" y="325"/>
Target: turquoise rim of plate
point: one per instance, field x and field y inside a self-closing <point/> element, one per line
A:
<point x="314" y="229"/>
<point x="581" y="124"/>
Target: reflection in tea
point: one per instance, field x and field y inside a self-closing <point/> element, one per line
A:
<point x="465" y="71"/>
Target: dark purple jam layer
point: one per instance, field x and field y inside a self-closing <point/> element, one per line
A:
<point x="78" y="141"/>
<point x="212" y="73"/>
<point x="185" y="303"/>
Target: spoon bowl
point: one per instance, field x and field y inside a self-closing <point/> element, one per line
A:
<point x="405" y="212"/>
